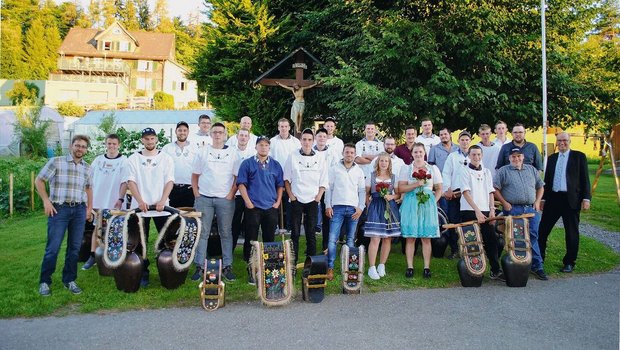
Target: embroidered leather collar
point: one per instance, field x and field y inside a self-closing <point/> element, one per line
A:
<point x="301" y="151"/>
<point x="473" y="167"/>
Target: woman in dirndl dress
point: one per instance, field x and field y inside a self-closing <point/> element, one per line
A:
<point x="383" y="220"/>
<point x="419" y="208"/>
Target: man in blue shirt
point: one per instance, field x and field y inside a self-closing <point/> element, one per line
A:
<point x="261" y="184"/>
<point x="531" y="155"/>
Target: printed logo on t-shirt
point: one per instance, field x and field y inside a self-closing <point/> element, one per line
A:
<point x="308" y="165"/>
<point x="218" y="157"/>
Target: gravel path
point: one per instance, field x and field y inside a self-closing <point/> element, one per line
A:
<point x="609" y="238"/>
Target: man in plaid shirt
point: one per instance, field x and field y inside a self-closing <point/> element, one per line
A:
<point x="68" y="206"/>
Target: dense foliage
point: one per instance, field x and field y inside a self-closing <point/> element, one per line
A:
<point x="460" y="63"/>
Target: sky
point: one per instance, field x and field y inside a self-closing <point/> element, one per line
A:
<point x="175" y="7"/>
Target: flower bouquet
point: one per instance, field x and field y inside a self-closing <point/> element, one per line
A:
<point x="422" y="176"/>
<point x="384" y="189"/>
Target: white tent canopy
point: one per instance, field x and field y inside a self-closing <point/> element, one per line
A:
<point x="9" y="141"/>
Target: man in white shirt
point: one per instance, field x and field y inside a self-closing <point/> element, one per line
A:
<point x="344" y="201"/>
<point x="501" y="130"/>
<point x="282" y="145"/>
<point x="477" y="204"/>
<point x="389" y="144"/>
<point x="305" y="181"/>
<point x="333" y="141"/>
<point x="331" y="158"/>
<point x="150" y="178"/>
<point x="455" y="163"/>
<point x="427" y="138"/>
<point x="368" y="148"/>
<point x="246" y="124"/>
<point x="214" y="177"/>
<point x="244" y="151"/>
<point x="183" y="153"/>
<point x="490" y="150"/>
<point x="107" y="172"/>
<point x="203" y="137"/>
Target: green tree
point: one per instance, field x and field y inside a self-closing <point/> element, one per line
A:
<point x="108" y="12"/>
<point x="128" y="14"/>
<point x="162" y="100"/>
<point x="69" y="15"/>
<point x="12" y="58"/>
<point x="144" y="14"/>
<point x="95" y="13"/>
<point x="36" y="48"/>
<point x="161" y="17"/>
<point x="23" y="92"/>
<point x="32" y="130"/>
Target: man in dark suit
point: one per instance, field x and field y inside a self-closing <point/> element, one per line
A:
<point x="567" y="191"/>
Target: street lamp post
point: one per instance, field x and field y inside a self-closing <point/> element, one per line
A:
<point x="544" y="79"/>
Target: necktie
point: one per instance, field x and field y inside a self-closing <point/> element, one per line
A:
<point x="560" y="173"/>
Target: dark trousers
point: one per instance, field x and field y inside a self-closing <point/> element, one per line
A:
<point x="556" y="206"/>
<point x="286" y="207"/>
<point x="238" y="223"/>
<point x="297" y="211"/>
<point x="181" y="196"/>
<point x="489" y="239"/>
<point x="324" y="224"/>
<point x="159" y="221"/>
<point x="454" y="216"/>
<point x="71" y="219"/>
<point x="268" y="221"/>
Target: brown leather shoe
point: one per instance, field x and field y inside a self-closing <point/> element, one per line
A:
<point x="330" y="274"/>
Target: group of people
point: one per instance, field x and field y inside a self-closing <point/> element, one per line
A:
<point x="385" y="191"/>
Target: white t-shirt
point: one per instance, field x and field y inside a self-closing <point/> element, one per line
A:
<point x="397" y="164"/>
<point x="232" y="141"/>
<point x="345" y="186"/>
<point x="218" y="170"/>
<point x="183" y="159"/>
<point x="480" y="184"/>
<point x="500" y="143"/>
<point x="428" y="141"/>
<point x="337" y="145"/>
<point x="368" y="147"/>
<point x="107" y="175"/>
<point x="202" y="140"/>
<point x="151" y="174"/>
<point x="451" y="173"/>
<point x="306" y="174"/>
<point x="489" y="155"/>
<point x="331" y="157"/>
<point x="282" y="148"/>
<point x="406" y="174"/>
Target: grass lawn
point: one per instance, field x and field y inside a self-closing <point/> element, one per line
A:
<point x="24" y="243"/>
<point x="604" y="211"/>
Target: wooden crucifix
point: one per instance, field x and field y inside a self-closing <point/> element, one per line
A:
<point x="297" y="86"/>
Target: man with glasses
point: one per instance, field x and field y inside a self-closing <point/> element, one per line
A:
<point x="214" y="185"/>
<point x="567" y="192"/>
<point x="530" y="151"/>
<point x="67" y="208"/>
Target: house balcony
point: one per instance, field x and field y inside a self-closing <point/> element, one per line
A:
<point x="90" y="78"/>
<point x="84" y="65"/>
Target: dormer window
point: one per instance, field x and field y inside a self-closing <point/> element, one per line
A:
<point x="123" y="46"/>
<point x="107" y="46"/>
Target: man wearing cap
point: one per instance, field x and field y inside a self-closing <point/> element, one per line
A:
<point x="67" y="207"/>
<point x="404" y="151"/>
<point x="261" y="185"/>
<point x="182" y="153"/>
<point x="530" y="152"/>
<point x="246" y="124"/>
<point x="451" y="174"/>
<point x="305" y="180"/>
<point x="520" y="189"/>
<point x="214" y="177"/>
<point x="242" y="145"/>
<point x="150" y="178"/>
<point x="203" y="136"/>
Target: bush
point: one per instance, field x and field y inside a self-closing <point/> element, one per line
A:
<point x="21" y="169"/>
<point x="23" y="91"/>
<point x="140" y="93"/>
<point x="162" y="100"/>
<point x="70" y="109"/>
<point x="32" y="130"/>
<point x="194" y="105"/>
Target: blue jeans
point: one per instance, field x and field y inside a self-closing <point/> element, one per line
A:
<point x="537" y="262"/>
<point x="224" y="209"/>
<point x="342" y="214"/>
<point x="71" y="219"/>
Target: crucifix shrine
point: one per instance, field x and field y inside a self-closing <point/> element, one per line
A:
<point x="301" y="61"/>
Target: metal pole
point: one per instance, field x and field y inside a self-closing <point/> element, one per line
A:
<point x="544" y="80"/>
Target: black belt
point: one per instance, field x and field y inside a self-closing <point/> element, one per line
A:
<point x="183" y="185"/>
<point x="70" y="204"/>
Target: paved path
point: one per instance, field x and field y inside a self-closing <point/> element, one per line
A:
<point x="568" y="313"/>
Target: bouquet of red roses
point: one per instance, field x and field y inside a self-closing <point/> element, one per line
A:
<point x="422" y="176"/>
<point x="384" y="189"/>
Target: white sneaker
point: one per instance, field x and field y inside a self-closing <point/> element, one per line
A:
<point x="372" y="273"/>
<point x="381" y="270"/>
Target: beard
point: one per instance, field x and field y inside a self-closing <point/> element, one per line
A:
<point x="149" y="147"/>
<point x="181" y="138"/>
